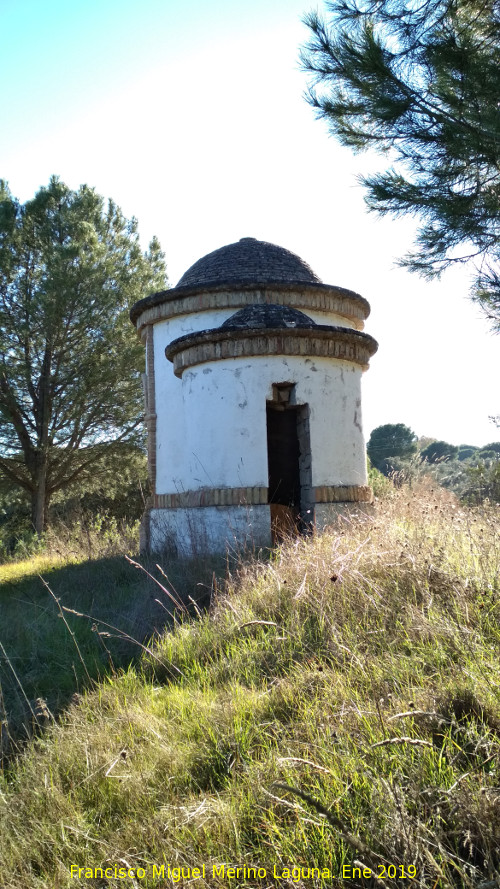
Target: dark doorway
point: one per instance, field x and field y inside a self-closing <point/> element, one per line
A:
<point x="289" y="467"/>
<point x="283" y="456"/>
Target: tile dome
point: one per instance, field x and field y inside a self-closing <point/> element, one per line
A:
<point x="246" y="273"/>
<point x="267" y="316"/>
<point x="249" y="261"/>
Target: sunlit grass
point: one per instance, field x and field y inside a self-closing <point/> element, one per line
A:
<point x="13" y="571"/>
<point x="339" y="703"/>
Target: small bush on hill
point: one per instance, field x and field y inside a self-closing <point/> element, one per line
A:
<point x="466" y="451"/>
<point x="438" y="450"/>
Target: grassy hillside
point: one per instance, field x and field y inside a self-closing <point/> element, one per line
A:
<point x="77" y="612"/>
<point x="336" y="712"/>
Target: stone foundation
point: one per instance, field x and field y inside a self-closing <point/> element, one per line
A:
<point x="331" y="514"/>
<point x="193" y="531"/>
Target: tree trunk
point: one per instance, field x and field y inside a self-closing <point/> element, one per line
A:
<point x="39" y="500"/>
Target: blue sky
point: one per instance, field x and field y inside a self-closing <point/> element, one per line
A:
<point x="191" y="117"/>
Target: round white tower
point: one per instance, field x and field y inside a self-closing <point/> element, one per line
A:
<point x="253" y="400"/>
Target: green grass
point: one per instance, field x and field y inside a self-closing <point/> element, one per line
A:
<point x="10" y="572"/>
<point x="338" y="706"/>
<point x="71" y="616"/>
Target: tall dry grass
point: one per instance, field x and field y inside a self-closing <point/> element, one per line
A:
<point x="337" y="707"/>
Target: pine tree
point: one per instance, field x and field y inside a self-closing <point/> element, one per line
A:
<point x="391" y="440"/>
<point x="421" y="83"/>
<point x="438" y="451"/>
<point x="70" y="391"/>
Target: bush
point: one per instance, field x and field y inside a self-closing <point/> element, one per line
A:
<point x="483" y="482"/>
<point x="438" y="450"/>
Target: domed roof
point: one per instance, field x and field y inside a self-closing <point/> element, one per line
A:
<point x="238" y="275"/>
<point x="249" y="261"/>
<point x="267" y="316"/>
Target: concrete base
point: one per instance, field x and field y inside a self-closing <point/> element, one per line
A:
<point x="208" y="529"/>
<point x="197" y="531"/>
<point x="329" y="515"/>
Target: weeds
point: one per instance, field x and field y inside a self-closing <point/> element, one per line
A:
<point x="67" y="620"/>
<point x="337" y="707"/>
<point x="88" y="537"/>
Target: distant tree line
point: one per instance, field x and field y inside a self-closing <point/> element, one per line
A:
<point x="473" y="473"/>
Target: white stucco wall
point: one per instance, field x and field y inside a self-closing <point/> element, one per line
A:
<point x="333" y="319"/>
<point x="211" y="425"/>
<point x="170" y="410"/>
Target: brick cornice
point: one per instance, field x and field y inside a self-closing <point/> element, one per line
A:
<point x="211" y="497"/>
<point x="186" y="300"/>
<point x="253" y="496"/>
<point x="343" y="494"/>
<point x="319" y="341"/>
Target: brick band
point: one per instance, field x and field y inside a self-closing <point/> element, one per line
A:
<point x="343" y="494"/>
<point x="321" y="342"/>
<point x="254" y="496"/>
<point x="331" y="300"/>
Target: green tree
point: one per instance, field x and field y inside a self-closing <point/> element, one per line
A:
<point x="391" y="440"/>
<point x="492" y="446"/>
<point x="420" y="82"/>
<point x="70" y="267"/>
<point x="466" y="451"/>
<point x="438" y="450"/>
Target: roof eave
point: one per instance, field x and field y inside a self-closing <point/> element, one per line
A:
<point x="165" y="296"/>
